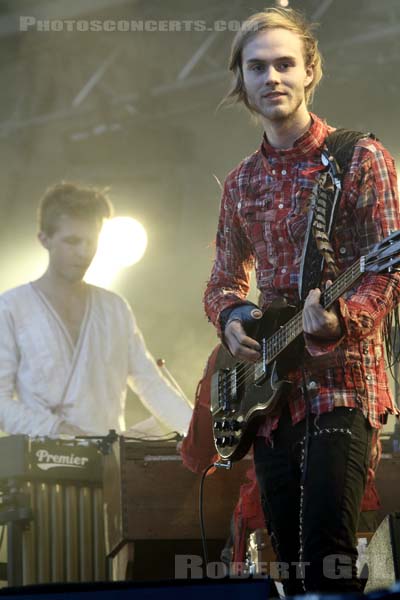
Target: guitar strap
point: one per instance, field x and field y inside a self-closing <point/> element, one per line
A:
<point x="324" y="201"/>
<point x="317" y="250"/>
<point x="336" y="156"/>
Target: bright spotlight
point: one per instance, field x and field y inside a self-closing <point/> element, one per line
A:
<point x="282" y="3"/>
<point x="122" y="243"/>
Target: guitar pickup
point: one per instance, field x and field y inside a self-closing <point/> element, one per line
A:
<point x="233" y="381"/>
<point x="224" y="390"/>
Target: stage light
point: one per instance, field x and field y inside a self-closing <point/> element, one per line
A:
<point x="122" y="243"/>
<point x="282" y="3"/>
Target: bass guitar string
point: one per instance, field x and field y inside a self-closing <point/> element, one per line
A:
<point x="277" y="342"/>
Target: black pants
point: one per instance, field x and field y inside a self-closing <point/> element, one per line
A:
<point x="314" y="520"/>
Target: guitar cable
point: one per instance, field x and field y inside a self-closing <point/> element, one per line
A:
<point x="219" y="465"/>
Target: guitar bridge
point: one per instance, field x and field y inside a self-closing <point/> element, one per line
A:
<point x="260" y="368"/>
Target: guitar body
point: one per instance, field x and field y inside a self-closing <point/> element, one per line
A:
<point x="242" y="396"/>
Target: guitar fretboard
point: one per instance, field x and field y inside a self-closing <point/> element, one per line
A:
<point x="286" y="334"/>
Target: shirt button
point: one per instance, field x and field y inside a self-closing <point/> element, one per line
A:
<point x="273" y="172"/>
<point x="281" y="239"/>
<point x="283" y="270"/>
<point x="342" y="250"/>
<point x="284" y="172"/>
<point x="368" y="377"/>
<point x="280" y="205"/>
<point x="365" y="351"/>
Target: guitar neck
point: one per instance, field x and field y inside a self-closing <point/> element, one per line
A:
<point x="286" y="334"/>
<point x="342" y="283"/>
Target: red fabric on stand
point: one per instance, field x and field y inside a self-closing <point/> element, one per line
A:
<point x="248" y="515"/>
<point x="198" y="450"/>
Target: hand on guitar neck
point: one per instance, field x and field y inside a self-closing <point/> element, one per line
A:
<point x="317" y="321"/>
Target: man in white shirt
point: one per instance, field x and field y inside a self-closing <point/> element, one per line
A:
<point x="69" y="349"/>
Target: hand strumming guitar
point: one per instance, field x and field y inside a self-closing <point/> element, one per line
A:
<point x="240" y="344"/>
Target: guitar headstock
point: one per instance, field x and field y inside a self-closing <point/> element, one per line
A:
<point x="385" y="256"/>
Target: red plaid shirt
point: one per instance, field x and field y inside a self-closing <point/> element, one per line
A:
<point x="262" y="224"/>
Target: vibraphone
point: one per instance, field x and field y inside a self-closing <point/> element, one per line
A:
<point x="52" y="503"/>
<point x="62" y="528"/>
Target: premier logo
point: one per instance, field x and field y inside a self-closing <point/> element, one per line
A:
<point x="48" y="461"/>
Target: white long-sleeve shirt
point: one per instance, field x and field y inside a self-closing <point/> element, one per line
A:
<point x="45" y="379"/>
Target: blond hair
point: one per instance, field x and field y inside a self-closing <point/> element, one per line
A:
<point x="273" y="18"/>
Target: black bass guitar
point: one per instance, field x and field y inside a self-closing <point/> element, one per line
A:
<point x="244" y="394"/>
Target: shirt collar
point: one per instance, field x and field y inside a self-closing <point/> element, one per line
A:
<point x="311" y="141"/>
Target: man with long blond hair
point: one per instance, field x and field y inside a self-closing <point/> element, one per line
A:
<point x="312" y="457"/>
